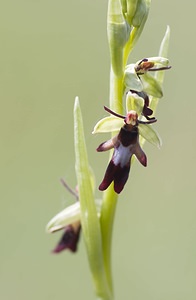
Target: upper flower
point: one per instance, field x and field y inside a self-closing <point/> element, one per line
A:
<point x="137" y="76"/>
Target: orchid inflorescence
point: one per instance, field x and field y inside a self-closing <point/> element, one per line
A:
<point x="134" y="93"/>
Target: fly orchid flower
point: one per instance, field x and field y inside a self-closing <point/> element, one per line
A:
<point x="126" y="142"/>
<point x="137" y="75"/>
<point x="69" y="221"/>
<point x="69" y="239"/>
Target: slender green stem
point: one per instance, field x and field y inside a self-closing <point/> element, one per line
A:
<point x="116" y="92"/>
<point x="110" y="197"/>
<point x="107" y="220"/>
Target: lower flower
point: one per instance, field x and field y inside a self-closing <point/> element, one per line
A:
<point x="69" y="239"/>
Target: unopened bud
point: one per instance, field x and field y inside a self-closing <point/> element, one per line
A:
<point x="118" y="34"/>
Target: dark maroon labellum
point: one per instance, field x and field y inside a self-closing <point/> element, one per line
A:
<point x="69" y="239"/>
<point x="125" y="144"/>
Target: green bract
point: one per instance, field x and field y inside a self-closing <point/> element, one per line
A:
<point x="89" y="218"/>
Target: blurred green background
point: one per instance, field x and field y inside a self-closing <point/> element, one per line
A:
<point x="51" y="51"/>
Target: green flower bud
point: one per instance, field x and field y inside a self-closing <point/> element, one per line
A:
<point x="140" y="13"/>
<point x="124" y="6"/>
<point x="118" y="34"/>
<point x="131" y="10"/>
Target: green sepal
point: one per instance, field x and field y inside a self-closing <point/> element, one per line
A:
<point x="131" y="79"/>
<point x="134" y="102"/>
<point x="108" y="124"/>
<point x="67" y="216"/>
<point x="151" y="86"/>
<point x="149" y="134"/>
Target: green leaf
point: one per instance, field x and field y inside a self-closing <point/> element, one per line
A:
<point x="148" y="133"/>
<point x="89" y="219"/>
<point x="108" y="124"/>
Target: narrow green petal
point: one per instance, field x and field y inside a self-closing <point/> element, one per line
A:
<point x="108" y="124"/>
<point x="89" y="219"/>
<point x="148" y="133"/>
